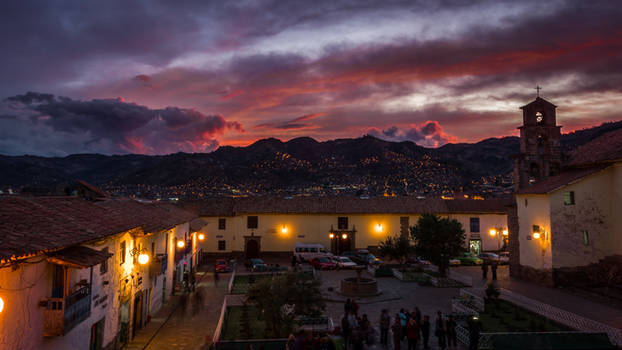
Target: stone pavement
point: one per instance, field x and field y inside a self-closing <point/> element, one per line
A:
<point x="408" y="295"/>
<point x="190" y="327"/>
<point x="557" y="297"/>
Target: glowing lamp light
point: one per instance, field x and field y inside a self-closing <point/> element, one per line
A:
<point x="143" y="258"/>
<point x="378" y="227"/>
<point x="493" y="232"/>
<point x="201" y="236"/>
<point x="536" y="235"/>
<point x="181" y="243"/>
<point x="284" y="229"/>
<point x="1" y="304"/>
<point x="505" y="232"/>
<point x="331" y="235"/>
<point x="344" y="236"/>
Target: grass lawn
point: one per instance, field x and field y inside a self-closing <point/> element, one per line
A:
<point x="507" y="317"/>
<point x="241" y="322"/>
<point x="241" y="283"/>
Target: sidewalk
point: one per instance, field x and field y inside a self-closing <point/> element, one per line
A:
<point x="553" y="296"/>
<point x="190" y="328"/>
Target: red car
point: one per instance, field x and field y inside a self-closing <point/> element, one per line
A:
<point x="323" y="264"/>
<point x="221" y="265"/>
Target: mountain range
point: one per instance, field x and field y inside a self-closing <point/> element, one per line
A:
<point x="359" y="166"/>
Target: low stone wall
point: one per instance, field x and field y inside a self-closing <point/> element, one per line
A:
<point x="542" y="277"/>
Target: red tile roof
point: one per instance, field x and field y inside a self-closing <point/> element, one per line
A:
<point x="29" y="225"/>
<point x="604" y="149"/>
<point x="343" y="205"/>
<point x="79" y="257"/>
<point x="556" y="182"/>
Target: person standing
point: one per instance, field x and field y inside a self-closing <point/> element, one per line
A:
<point x="385" y="323"/>
<point x="396" y="329"/>
<point x="403" y="321"/>
<point x="347" y="307"/>
<point x="450" y="328"/>
<point x="345" y="330"/>
<point x="439" y="331"/>
<point x="412" y="333"/>
<point x="425" y="331"/>
<point x="484" y="270"/>
<point x="493" y="269"/>
<point x="417" y="313"/>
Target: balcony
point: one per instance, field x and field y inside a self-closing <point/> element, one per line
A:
<point x="62" y="315"/>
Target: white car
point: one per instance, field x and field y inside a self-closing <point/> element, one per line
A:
<point x="343" y="262"/>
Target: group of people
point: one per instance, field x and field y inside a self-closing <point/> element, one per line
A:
<point x="493" y="269"/>
<point x="411" y="327"/>
<point x="309" y="341"/>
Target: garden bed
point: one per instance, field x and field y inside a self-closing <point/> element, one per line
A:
<point x="241" y="283"/>
<point x="503" y="316"/>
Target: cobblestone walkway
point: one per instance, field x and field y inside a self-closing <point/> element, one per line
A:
<point x="189" y="328"/>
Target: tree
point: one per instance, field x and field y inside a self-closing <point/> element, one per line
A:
<point x="397" y="247"/>
<point x="438" y="239"/>
<point x="283" y="298"/>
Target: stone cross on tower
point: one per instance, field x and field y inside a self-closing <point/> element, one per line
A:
<point x="538" y="88"/>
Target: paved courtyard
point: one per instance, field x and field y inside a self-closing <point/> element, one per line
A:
<point x="193" y="327"/>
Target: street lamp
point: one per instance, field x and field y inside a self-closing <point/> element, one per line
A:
<point x="180" y="243"/>
<point x="143" y="257"/>
<point x="201" y="236"/>
<point x="344" y="236"/>
<point x="331" y="235"/>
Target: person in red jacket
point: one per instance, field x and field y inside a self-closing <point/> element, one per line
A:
<point x="412" y="333"/>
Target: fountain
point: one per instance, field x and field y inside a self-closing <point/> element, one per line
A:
<point x="359" y="286"/>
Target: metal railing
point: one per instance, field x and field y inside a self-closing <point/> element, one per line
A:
<point x="472" y="299"/>
<point x="77" y="307"/>
<point x="221" y="320"/>
<point x="564" y="317"/>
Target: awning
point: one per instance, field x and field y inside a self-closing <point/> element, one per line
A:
<point x="78" y="257"/>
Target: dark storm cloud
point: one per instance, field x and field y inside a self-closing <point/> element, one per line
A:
<point x="428" y="134"/>
<point x="106" y="126"/>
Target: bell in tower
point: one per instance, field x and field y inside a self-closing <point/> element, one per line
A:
<point x="540" y="152"/>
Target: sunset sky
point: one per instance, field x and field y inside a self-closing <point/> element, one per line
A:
<point x="154" y="77"/>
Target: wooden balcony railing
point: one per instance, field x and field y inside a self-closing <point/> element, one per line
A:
<point x="62" y="315"/>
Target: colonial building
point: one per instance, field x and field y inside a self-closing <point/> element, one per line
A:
<point x="78" y="274"/>
<point x="255" y="225"/>
<point x="568" y="227"/>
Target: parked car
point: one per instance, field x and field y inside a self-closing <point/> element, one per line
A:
<point x="256" y="265"/>
<point x="221" y="266"/>
<point x="489" y="257"/>
<point x="454" y="262"/>
<point x="364" y="257"/>
<point x="417" y="260"/>
<point x="323" y="263"/>
<point x="504" y="257"/>
<point x="469" y="259"/>
<point x="343" y="262"/>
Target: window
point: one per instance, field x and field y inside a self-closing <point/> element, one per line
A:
<point x="539" y="118"/>
<point x="222" y="224"/>
<point x="586" y="237"/>
<point x="569" y="198"/>
<point x="103" y="267"/>
<point x="122" y="250"/>
<point x="166" y="245"/>
<point x="252" y="222"/>
<point x="526" y="202"/>
<point x="474" y="224"/>
<point x="152" y="249"/>
<point x="222" y="245"/>
<point x="342" y="223"/>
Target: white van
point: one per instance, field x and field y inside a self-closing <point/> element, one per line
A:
<point x="308" y="251"/>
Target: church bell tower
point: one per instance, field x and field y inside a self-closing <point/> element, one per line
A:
<point x="540" y="150"/>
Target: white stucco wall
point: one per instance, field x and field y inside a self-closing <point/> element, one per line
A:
<point x="592" y="212"/>
<point x="534" y="253"/>
<point x="314" y="228"/>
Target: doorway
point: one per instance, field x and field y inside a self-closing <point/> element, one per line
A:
<point x="252" y="249"/>
<point x="97" y="334"/>
<point x="475" y="246"/>
<point x="138" y="313"/>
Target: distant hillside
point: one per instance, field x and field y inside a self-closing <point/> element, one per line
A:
<point x="369" y="165"/>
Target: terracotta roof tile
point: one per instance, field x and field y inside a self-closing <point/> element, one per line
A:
<point x="343" y="205"/>
<point x="604" y="149"/>
<point x="556" y="182"/>
<point x="29" y="225"/>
